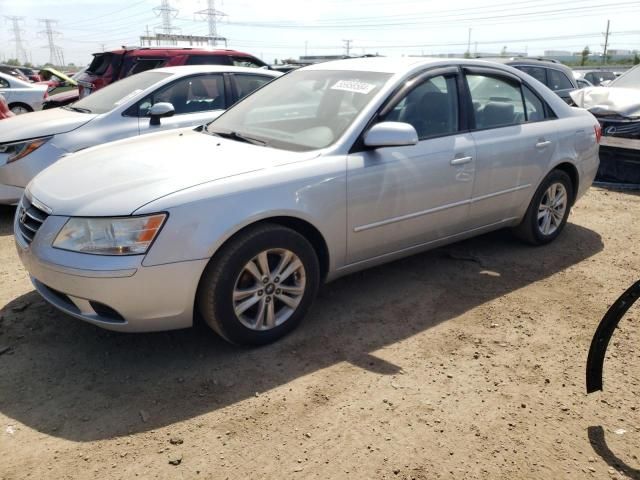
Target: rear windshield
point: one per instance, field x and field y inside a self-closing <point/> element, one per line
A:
<point x="116" y="94"/>
<point x="100" y="63"/>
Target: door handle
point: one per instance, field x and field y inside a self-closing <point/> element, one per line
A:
<point x="544" y="144"/>
<point x="461" y="160"/>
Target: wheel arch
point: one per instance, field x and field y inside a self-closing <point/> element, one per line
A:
<point x="571" y="170"/>
<point x="20" y="104"/>
<point x="297" y="224"/>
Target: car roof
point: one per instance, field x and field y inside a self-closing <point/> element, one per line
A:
<point x="192" y="69"/>
<point x="180" y="50"/>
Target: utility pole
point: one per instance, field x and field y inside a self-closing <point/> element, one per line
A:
<point x="347" y="45"/>
<point x="166" y="12"/>
<point x="305" y="47"/>
<point x="54" y="51"/>
<point x="606" y="44"/>
<point x="212" y="15"/>
<point x="469" y="44"/>
<point x="21" y="54"/>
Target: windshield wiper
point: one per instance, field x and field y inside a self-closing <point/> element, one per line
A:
<point x="77" y="109"/>
<point x="240" y="137"/>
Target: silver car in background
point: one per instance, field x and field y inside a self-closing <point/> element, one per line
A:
<point x="22" y="97"/>
<point x="159" y="99"/>
<point x="330" y="169"/>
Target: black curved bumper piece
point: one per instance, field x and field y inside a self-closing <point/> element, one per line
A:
<point x="604" y="332"/>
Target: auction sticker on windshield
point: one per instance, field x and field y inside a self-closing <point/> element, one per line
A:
<point x="355" y="86"/>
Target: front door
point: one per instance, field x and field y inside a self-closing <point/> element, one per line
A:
<point x="401" y="197"/>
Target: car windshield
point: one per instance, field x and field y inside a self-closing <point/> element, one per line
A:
<point x="630" y="79"/>
<point x="303" y="110"/>
<point x="112" y="96"/>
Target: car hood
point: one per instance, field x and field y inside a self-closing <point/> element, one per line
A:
<point x="604" y="101"/>
<point x="42" y="124"/>
<point x="120" y="177"/>
<point x="60" y="75"/>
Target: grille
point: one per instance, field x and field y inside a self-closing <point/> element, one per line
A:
<point x="620" y="129"/>
<point x="30" y="219"/>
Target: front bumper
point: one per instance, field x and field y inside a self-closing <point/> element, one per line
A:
<point x="116" y="293"/>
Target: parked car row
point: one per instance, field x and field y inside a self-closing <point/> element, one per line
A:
<point x="22" y="97"/>
<point x="327" y="170"/>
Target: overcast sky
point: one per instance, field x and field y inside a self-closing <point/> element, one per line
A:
<point x="281" y="28"/>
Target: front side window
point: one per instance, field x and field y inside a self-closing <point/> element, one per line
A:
<point x="115" y="94"/>
<point x="303" y="110"/>
<point x="431" y="107"/>
<point x="497" y="101"/>
<point x="246" y="83"/>
<point x="189" y="95"/>
<point x="536" y="72"/>
<point x="558" y="80"/>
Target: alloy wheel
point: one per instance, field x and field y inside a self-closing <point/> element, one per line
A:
<point x="269" y="289"/>
<point x="552" y="208"/>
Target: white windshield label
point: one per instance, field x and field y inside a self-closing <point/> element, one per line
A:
<point x="355" y="86"/>
<point x="127" y="97"/>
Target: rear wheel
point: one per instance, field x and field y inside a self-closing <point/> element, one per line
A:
<point x="548" y="211"/>
<point x="20" y="108"/>
<point x="260" y="285"/>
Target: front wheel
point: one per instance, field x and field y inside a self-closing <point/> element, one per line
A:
<point x="548" y="211"/>
<point x="260" y="285"/>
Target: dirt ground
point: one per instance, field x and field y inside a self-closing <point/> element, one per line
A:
<point x="465" y="362"/>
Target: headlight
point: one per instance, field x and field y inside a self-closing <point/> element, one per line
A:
<point x="110" y="236"/>
<point x="18" y="150"/>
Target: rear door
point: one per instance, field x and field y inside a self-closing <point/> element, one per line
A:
<point x="514" y="143"/>
<point x="197" y="99"/>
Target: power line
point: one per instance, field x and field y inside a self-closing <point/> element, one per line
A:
<point x="55" y="52"/>
<point x="166" y="12"/>
<point x="21" y="53"/>
<point x="211" y="14"/>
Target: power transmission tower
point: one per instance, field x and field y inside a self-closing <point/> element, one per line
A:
<point x="347" y="46"/>
<point x="212" y="15"/>
<point x="21" y="53"/>
<point x="166" y="12"/>
<point x="55" y="52"/>
<point x="606" y="44"/>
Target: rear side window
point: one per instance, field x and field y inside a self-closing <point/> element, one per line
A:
<point x="535" y="107"/>
<point x="246" y="62"/>
<point x="536" y="72"/>
<point x="431" y="107"/>
<point x="497" y="102"/>
<point x="208" y="60"/>
<point x="248" y="83"/>
<point x="558" y="80"/>
<point x="4" y="83"/>
<point x="144" y="64"/>
<point x="100" y="63"/>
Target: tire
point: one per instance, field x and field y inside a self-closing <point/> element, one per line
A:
<point x="534" y="230"/>
<point x="20" y="108"/>
<point x="279" y="304"/>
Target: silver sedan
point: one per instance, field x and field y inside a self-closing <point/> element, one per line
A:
<point x="148" y="102"/>
<point x="22" y="97"/>
<point x="330" y="169"/>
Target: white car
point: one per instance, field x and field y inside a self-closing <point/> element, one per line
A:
<point x="160" y="99"/>
<point x="22" y="97"/>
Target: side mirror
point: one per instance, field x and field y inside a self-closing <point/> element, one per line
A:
<point x="160" y="110"/>
<point x="391" y="134"/>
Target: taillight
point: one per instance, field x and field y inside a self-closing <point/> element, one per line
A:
<point x="598" y="129"/>
<point x="46" y="95"/>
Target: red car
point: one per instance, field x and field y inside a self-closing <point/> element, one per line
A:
<point x="4" y="109"/>
<point x="107" y="67"/>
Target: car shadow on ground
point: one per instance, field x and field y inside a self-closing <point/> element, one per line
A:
<point x="72" y="380"/>
<point x="599" y="445"/>
<point x="6" y="220"/>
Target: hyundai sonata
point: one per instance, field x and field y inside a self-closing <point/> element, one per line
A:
<point x="327" y="170"/>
